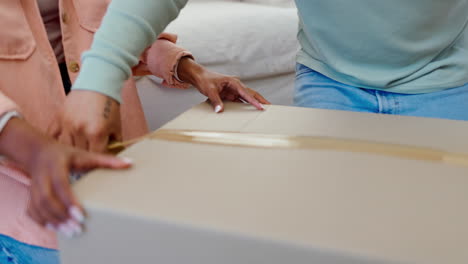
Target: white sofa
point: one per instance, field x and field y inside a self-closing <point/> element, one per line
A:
<point x="252" y="39"/>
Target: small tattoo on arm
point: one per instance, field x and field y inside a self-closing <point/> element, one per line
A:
<point x="107" y="108"/>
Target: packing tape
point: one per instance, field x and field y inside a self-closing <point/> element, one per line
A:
<point x="237" y="139"/>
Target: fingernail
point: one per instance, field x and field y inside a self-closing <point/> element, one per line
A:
<point x="75" y="227"/>
<point x="263" y="107"/>
<point x="218" y="109"/>
<point x="127" y="160"/>
<point x="66" y="230"/>
<point x="76" y="214"/>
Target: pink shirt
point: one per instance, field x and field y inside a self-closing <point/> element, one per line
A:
<point x="6" y="104"/>
<point x="30" y="77"/>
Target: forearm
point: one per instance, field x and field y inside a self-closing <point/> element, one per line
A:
<point x="128" y="28"/>
<point x="20" y="142"/>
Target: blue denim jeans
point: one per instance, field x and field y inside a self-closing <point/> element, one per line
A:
<point x="315" y="90"/>
<point x="15" y="252"/>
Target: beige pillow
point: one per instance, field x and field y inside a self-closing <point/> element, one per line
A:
<point x="283" y="3"/>
<point x="246" y="40"/>
<point x="198" y="1"/>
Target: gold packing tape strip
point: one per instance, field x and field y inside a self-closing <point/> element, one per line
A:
<point x="237" y="139"/>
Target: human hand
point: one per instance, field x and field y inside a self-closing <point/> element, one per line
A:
<point x="218" y="87"/>
<point x="89" y="121"/>
<point x="49" y="165"/>
<point x="53" y="203"/>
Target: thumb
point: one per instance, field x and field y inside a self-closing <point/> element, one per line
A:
<point x="115" y="135"/>
<point x="88" y="161"/>
<point x="216" y="102"/>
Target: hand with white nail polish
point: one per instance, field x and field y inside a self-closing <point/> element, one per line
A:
<point x="49" y="164"/>
<point x="218" y="87"/>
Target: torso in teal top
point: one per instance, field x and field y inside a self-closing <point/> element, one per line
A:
<point x="404" y="46"/>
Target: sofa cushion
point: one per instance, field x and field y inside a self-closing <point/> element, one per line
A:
<point x="246" y="40"/>
<point x="283" y="3"/>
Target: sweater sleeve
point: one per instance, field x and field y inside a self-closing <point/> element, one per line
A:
<point x="162" y="60"/>
<point x="128" y="28"/>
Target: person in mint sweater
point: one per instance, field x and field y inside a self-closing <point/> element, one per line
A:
<point x="90" y="116"/>
<point x="392" y="57"/>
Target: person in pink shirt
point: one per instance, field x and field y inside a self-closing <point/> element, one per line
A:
<point x="41" y="43"/>
<point x="47" y="164"/>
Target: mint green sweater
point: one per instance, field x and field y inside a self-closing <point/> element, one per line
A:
<point x="404" y="46"/>
<point x="128" y="28"/>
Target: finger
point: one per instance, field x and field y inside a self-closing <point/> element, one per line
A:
<point x="88" y="161"/>
<point x="224" y="93"/>
<point x="32" y="212"/>
<point x="216" y="101"/>
<point x="52" y="210"/>
<point x="260" y="98"/>
<point x="49" y="206"/>
<point x="41" y="210"/>
<point x="231" y="97"/>
<point x="243" y="92"/>
<point x="80" y="141"/>
<point x="62" y="188"/>
<point x="66" y="138"/>
<point x="54" y="129"/>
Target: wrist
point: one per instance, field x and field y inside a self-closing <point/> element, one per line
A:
<point x="22" y="143"/>
<point x="189" y="71"/>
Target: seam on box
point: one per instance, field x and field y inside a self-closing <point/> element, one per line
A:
<point x="253" y="120"/>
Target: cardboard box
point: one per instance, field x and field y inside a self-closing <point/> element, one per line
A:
<point x="209" y="204"/>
